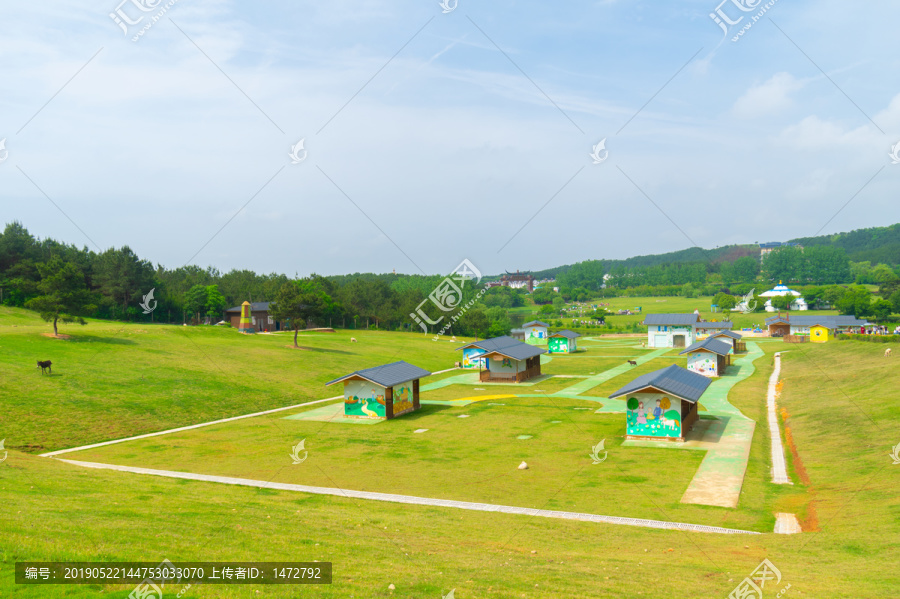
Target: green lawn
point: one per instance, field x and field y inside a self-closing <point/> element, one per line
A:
<point x="114" y="380"/>
<point x="546" y="384"/>
<point x="614" y="384"/>
<point x="467" y="459"/>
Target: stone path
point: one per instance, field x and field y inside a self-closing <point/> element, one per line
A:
<point x="410" y="499"/>
<point x="787" y="524"/>
<point x="779" y="465"/>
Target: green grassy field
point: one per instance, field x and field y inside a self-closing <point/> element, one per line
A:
<point x="112" y="380"/>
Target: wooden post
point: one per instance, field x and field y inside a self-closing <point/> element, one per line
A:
<point x="416" y="394"/>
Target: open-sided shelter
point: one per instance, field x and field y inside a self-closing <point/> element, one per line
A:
<point x="663" y="404"/>
<point x="382" y="392"/>
<point x="562" y="342"/>
<point x="708" y="357"/>
<point x="504" y="359"/>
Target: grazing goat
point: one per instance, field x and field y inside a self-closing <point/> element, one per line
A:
<point x="45" y="366"/>
<point x="353" y="340"/>
<point x="887" y="353"/>
<point x="632" y="362"/>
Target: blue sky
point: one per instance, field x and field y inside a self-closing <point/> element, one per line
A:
<point x="448" y="149"/>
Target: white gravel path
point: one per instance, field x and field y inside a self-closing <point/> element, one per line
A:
<point x="779" y="465"/>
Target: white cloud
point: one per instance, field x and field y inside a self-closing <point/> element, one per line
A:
<point x="814" y="133"/>
<point x="767" y="98"/>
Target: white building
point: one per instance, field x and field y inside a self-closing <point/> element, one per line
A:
<point x="782" y="290"/>
<point x="680" y="330"/>
<point x="670" y="330"/>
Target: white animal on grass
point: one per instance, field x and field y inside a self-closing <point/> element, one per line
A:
<point x="887" y="353"/>
<point x="353" y="340"/>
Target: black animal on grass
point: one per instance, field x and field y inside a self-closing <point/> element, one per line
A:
<point x="45" y="366"/>
<point x="632" y="362"/>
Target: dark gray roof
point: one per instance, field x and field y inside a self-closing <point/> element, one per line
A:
<point x="731" y="334"/>
<point x="565" y="333"/>
<point x="673" y="379"/>
<point x="709" y="344"/>
<point x="507" y="346"/>
<point x="254" y="307"/>
<point x="831" y="321"/>
<point x="536" y="323"/>
<point x="725" y="324"/>
<point x="671" y="319"/>
<point x="387" y="375"/>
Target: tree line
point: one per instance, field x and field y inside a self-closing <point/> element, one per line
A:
<point x="65" y="283"/>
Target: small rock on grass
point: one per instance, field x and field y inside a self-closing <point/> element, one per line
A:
<point x="523" y="466"/>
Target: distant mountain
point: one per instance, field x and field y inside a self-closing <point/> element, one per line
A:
<point x="875" y="245"/>
<point x="878" y="244"/>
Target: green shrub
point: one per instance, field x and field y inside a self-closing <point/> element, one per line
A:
<point x="869" y="338"/>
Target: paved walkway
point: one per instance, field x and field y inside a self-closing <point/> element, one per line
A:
<point x="787" y="524"/>
<point x="779" y="465"/>
<point x="409" y="499"/>
<point x="726" y="438"/>
<point x="598" y="379"/>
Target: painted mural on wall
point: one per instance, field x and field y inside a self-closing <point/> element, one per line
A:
<point x="536" y="335"/>
<point x="403" y="398"/>
<point x="471" y="358"/>
<point x="559" y="345"/>
<point x="653" y="415"/>
<point x="703" y="363"/>
<point x="364" y="400"/>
